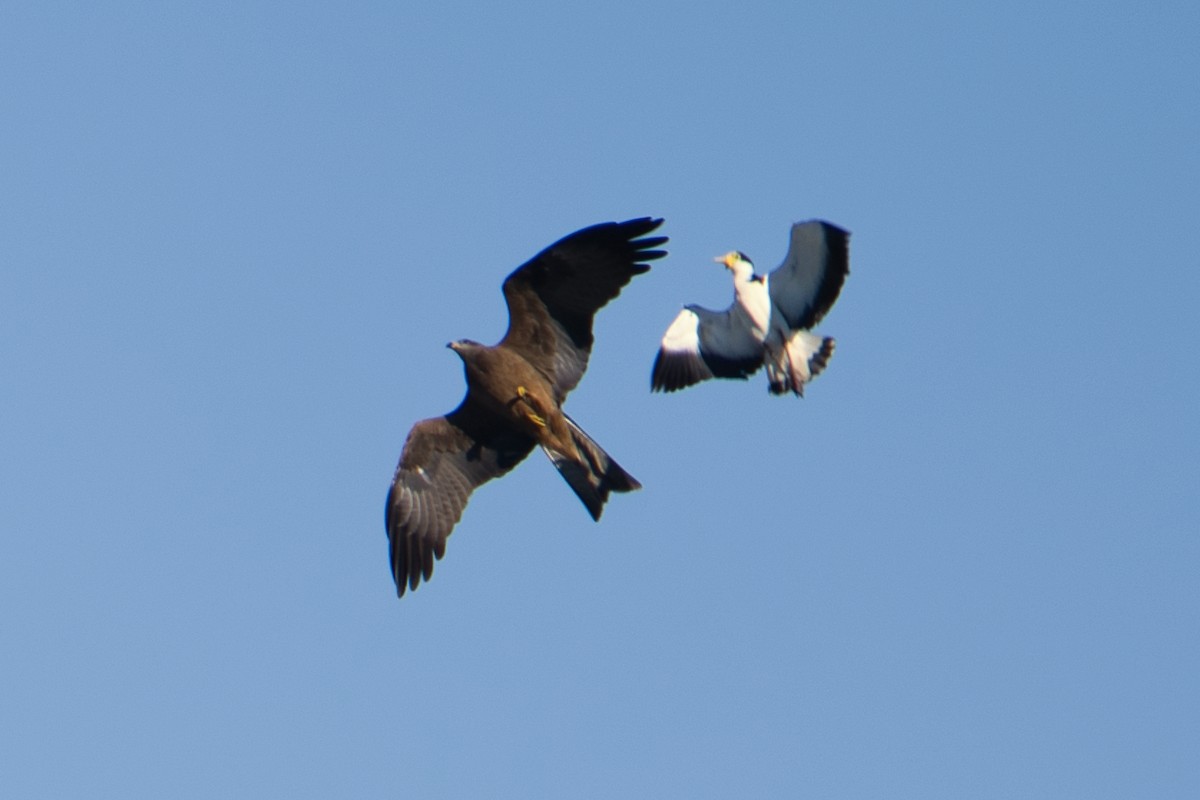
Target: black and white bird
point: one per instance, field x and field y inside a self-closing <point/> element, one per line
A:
<point x="769" y="323"/>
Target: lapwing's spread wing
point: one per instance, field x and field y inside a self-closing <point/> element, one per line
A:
<point x="703" y="344"/>
<point x="806" y="284"/>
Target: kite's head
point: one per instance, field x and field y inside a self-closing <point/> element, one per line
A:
<point x="464" y="347"/>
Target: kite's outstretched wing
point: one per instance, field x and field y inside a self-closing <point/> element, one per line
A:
<point x="810" y="278"/>
<point x="553" y="298"/>
<point x="443" y="460"/>
<point x="703" y="344"/>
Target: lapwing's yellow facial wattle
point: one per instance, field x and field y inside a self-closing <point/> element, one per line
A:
<point x="727" y="259"/>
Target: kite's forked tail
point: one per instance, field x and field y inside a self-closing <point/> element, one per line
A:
<point x="593" y="477"/>
<point x="804" y="356"/>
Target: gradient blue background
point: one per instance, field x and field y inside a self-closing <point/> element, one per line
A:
<point x="234" y="238"/>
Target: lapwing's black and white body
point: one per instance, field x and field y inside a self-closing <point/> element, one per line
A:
<point x="769" y="324"/>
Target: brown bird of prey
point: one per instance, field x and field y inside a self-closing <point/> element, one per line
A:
<point x="769" y="321"/>
<point x="515" y="392"/>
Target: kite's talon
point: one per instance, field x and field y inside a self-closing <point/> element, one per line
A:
<point x="531" y="414"/>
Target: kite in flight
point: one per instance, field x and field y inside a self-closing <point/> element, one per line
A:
<point x="515" y="392"/>
<point x="769" y="322"/>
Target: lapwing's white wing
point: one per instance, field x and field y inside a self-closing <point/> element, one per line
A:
<point x="703" y="344"/>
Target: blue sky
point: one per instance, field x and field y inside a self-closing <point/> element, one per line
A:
<point x="235" y="238"/>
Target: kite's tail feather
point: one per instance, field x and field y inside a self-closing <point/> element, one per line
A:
<point x="593" y="478"/>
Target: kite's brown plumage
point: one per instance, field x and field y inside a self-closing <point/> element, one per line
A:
<point x="515" y="392"/>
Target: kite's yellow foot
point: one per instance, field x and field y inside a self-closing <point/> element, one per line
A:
<point x="531" y="415"/>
